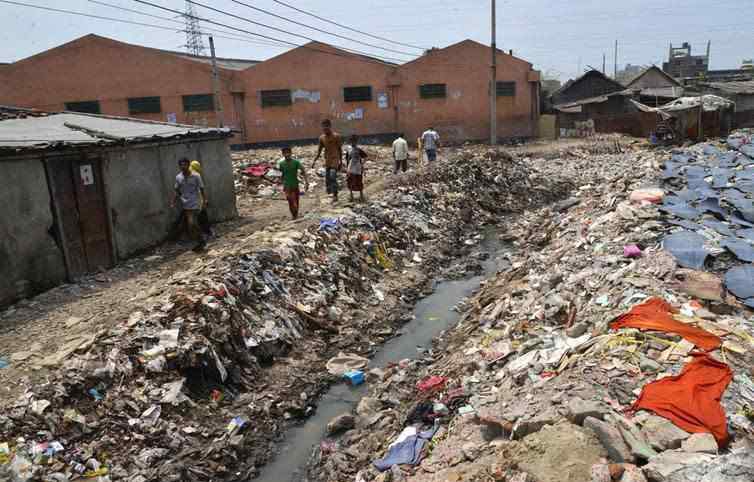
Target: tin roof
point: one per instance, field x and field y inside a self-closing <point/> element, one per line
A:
<point x="68" y="129"/>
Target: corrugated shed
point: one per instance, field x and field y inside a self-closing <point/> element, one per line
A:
<point x="738" y="87"/>
<point x="74" y="129"/>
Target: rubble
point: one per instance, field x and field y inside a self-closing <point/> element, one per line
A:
<point x="538" y="348"/>
<point x="201" y="384"/>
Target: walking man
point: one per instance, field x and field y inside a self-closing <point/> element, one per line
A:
<point x="430" y="143"/>
<point x="189" y="189"/>
<point x="330" y="142"/>
<point x="355" y="157"/>
<point x="290" y="168"/>
<point x="400" y="154"/>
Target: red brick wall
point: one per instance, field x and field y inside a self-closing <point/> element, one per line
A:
<point x="464" y="113"/>
<point x="96" y="68"/>
<point x="318" y="70"/>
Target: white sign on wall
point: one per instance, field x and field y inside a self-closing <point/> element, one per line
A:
<point x="383" y="101"/>
<point x="172" y="118"/>
<point x="87" y="174"/>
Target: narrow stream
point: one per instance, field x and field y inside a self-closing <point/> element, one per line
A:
<point x="433" y="314"/>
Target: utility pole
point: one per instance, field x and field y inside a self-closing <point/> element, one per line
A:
<point x="615" y="71"/>
<point x="603" y="64"/>
<point x="493" y="81"/>
<point x="216" y="86"/>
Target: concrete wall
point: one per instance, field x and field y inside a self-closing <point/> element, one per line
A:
<point x="316" y="75"/>
<point x="30" y="260"/>
<point x="97" y="68"/>
<point x="140" y="184"/>
<point x="464" y="113"/>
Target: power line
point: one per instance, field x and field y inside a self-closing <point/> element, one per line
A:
<point x="286" y="32"/>
<point x="365" y="57"/>
<point x="131" y="22"/>
<point x="173" y="20"/>
<point x="194" y="40"/>
<point x="347" y="27"/>
<point x="273" y="14"/>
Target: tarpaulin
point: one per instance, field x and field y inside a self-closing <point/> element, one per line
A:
<point x="656" y="314"/>
<point x="687" y="248"/>
<point x="691" y="400"/>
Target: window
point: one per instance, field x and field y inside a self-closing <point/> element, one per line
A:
<point x="357" y="94"/>
<point x="274" y="98"/>
<point x="198" y="103"/>
<point x="506" y="89"/>
<point x="432" y="91"/>
<point x="86" y="106"/>
<point x="144" y="105"/>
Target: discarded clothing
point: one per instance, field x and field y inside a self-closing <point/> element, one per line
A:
<point x="408" y="452"/>
<point x="691" y="400"/>
<point x="741" y="249"/>
<point x="433" y="383"/>
<point x="344" y="363"/>
<point x="687" y="248"/>
<point x="656" y="314"/>
<point x="329" y="225"/>
<point x="257" y="171"/>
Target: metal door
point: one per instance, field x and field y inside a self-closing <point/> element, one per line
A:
<point x="79" y="195"/>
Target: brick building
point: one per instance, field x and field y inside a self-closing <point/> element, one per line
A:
<point x="98" y="75"/>
<point x="285" y="97"/>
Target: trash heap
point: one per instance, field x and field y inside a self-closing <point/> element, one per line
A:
<point x="199" y="386"/>
<point x="594" y="357"/>
<point x="256" y="174"/>
<point x="711" y="200"/>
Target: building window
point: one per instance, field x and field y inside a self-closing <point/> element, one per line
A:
<point x="506" y="89"/>
<point x="357" y="94"/>
<point x="433" y="91"/>
<point x="198" y="103"/>
<point x="144" y="105"/>
<point x="87" y="106"/>
<point x="275" y="98"/>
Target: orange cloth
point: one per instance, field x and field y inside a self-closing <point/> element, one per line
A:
<point x="691" y="400"/>
<point x="656" y="314"/>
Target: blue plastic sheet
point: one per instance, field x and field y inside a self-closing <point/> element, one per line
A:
<point x="746" y="233"/>
<point x="712" y="205"/>
<point x="407" y="452"/>
<point x="685" y="224"/>
<point x="740" y="249"/>
<point x="740" y="281"/>
<point x="687" y="248"/>
<point x="682" y="211"/>
<point x="721" y="228"/>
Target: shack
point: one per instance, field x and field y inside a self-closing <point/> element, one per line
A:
<point x="83" y="191"/>
<point x="654" y="87"/>
<point x="742" y="94"/>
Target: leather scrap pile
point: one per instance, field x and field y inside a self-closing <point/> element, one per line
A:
<point x="200" y="384"/>
<point x="596" y="356"/>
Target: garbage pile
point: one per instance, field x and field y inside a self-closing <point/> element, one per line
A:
<point x="711" y="200"/>
<point x="200" y="386"/>
<point x="257" y="176"/>
<point x="593" y="358"/>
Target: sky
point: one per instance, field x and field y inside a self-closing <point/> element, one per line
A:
<point x="561" y="38"/>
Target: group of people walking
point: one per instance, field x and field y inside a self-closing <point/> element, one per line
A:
<point x="189" y="186"/>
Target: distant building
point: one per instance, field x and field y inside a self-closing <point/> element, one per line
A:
<point x="592" y="84"/>
<point x="681" y="64"/>
<point x="629" y="73"/>
<point x="655" y="87"/>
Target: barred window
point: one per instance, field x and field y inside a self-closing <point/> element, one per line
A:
<point x="275" y="98"/>
<point x="144" y="105"/>
<point x="198" y="103"/>
<point x="506" y="89"/>
<point x="357" y="94"/>
<point x="433" y="91"/>
<point x="86" y="106"/>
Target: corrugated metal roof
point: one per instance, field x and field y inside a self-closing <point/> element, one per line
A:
<point x="736" y="87"/>
<point x="74" y="129"/>
<point x="230" y="64"/>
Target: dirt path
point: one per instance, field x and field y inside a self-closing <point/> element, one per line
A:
<point x="35" y="331"/>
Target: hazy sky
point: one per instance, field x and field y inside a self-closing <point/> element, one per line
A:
<point x="556" y="36"/>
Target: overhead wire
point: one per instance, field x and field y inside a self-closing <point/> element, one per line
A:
<point x="301" y="24"/>
<point x="276" y="29"/>
<point x="129" y="22"/>
<point x="174" y="20"/>
<point x="363" y="56"/>
<point x="347" y="27"/>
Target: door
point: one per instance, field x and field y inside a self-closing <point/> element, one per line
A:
<point x="79" y="193"/>
<point x="239" y="114"/>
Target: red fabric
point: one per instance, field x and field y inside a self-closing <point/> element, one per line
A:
<point x="656" y="314"/>
<point x="431" y="383"/>
<point x="691" y="400"/>
<point x="257" y="171"/>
